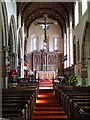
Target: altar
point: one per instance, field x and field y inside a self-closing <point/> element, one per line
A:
<point x="45" y="75"/>
<point x="46" y="79"/>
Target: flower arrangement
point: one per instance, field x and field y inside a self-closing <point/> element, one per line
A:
<point x="73" y="80"/>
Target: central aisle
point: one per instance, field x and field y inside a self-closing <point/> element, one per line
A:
<point x="45" y="84"/>
<point x="47" y="107"/>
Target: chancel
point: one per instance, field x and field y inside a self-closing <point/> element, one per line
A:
<point x="45" y="60"/>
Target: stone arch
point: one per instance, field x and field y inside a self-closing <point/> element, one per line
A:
<point x="4" y="40"/>
<point x="85" y="51"/>
<point x="4" y="24"/>
<point x="12" y="35"/>
<point x="4" y="32"/>
<point x="12" y="43"/>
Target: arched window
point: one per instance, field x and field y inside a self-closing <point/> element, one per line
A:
<point x="55" y="43"/>
<point x="34" y="43"/>
<point x="84" y="6"/>
<point x="76" y="13"/>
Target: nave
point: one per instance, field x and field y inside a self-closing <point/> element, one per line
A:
<point x="44" y="45"/>
<point x="63" y="102"/>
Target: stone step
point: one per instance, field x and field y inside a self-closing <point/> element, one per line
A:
<point x="47" y="112"/>
<point x="48" y="108"/>
<point x="46" y="90"/>
<point x="47" y="105"/>
<point x="49" y="117"/>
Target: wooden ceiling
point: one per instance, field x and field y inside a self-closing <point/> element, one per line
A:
<point x="31" y="11"/>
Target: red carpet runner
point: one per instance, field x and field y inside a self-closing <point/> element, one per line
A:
<point x="45" y="84"/>
<point x="47" y="107"/>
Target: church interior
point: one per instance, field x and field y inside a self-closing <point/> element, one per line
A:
<point x="44" y="60"/>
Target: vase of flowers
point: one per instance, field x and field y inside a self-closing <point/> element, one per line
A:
<point x="72" y="80"/>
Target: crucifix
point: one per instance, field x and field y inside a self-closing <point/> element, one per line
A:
<point x="44" y="26"/>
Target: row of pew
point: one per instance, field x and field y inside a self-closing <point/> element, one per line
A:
<point x="18" y="102"/>
<point x="75" y="101"/>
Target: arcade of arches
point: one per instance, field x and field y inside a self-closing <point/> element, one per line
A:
<point x="39" y="37"/>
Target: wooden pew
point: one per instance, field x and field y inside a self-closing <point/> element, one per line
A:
<point x="77" y="106"/>
<point x="27" y="87"/>
<point x="72" y="99"/>
<point x="13" y="112"/>
<point x="68" y="95"/>
<point x="66" y="102"/>
<point x="65" y="92"/>
<point x="84" y="113"/>
<point x="28" y="107"/>
<point x="13" y="94"/>
<point x="20" y="102"/>
<point x="24" y="93"/>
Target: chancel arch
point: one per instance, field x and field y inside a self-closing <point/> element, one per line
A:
<point x="45" y="44"/>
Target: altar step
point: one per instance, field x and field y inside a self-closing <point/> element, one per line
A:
<point x="46" y="84"/>
<point x="48" y="109"/>
<point x="45" y="90"/>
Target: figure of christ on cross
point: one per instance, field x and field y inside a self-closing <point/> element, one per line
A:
<point x="44" y="26"/>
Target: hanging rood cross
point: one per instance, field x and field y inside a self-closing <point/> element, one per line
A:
<point x="44" y="25"/>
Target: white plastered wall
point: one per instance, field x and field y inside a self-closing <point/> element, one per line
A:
<point x="53" y="31"/>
